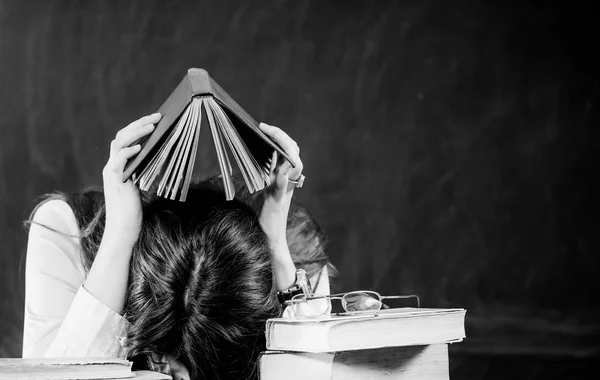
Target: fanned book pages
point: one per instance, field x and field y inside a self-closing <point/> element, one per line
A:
<point x="73" y="368"/>
<point x="166" y="160"/>
<point x="386" y="328"/>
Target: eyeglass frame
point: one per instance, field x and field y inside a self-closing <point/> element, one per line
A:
<point x="340" y="296"/>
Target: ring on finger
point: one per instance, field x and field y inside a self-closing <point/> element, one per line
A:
<point x="299" y="182"/>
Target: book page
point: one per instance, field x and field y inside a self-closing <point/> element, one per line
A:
<point x="153" y="170"/>
<point x="210" y="102"/>
<point x="238" y="151"/>
<point x="188" y="176"/>
<point x="403" y="312"/>
<point x="260" y="173"/>
<point x="250" y="183"/>
<point x="257" y="176"/>
<point x="226" y="170"/>
<point x="146" y="177"/>
<point x="64" y="368"/>
<point x="176" y="157"/>
<point x="184" y="163"/>
<point x="260" y="144"/>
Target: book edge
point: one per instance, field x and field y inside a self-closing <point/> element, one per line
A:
<point x="328" y="345"/>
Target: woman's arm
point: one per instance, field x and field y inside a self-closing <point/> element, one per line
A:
<point x="108" y="277"/>
<point x="273" y="216"/>
<point x="62" y="318"/>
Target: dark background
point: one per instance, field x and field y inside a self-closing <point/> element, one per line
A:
<point x="450" y="147"/>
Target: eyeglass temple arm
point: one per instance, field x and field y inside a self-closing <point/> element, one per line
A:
<point x="336" y="295"/>
<point x="325" y="296"/>
<point x="409" y="296"/>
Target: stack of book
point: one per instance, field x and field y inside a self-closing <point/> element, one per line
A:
<point x="73" y="368"/>
<point x="404" y="343"/>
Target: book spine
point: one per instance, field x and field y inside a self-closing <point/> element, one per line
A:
<point x="200" y="83"/>
<point x="170" y="110"/>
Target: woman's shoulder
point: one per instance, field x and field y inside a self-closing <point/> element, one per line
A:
<point x="55" y="214"/>
<point x="53" y="243"/>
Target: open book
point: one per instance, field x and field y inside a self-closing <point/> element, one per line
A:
<point x="166" y="160"/>
<point x="386" y="328"/>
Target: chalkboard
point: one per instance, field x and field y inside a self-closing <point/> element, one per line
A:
<point x="449" y="149"/>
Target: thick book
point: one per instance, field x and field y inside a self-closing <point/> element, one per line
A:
<point x="166" y="159"/>
<point x="385" y="328"/>
<point x="407" y="363"/>
<point x="73" y="368"/>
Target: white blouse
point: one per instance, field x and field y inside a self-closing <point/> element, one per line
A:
<point x="61" y="318"/>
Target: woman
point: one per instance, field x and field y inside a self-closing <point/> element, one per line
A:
<point x="206" y="318"/>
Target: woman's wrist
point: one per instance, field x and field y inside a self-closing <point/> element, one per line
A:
<point x="108" y="277"/>
<point x="273" y="224"/>
<point x="275" y="211"/>
<point x="117" y="243"/>
<point x="284" y="271"/>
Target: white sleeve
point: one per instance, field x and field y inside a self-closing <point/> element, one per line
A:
<point x="321" y="280"/>
<point x="61" y="318"/>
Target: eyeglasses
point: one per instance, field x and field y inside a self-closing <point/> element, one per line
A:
<point x="314" y="305"/>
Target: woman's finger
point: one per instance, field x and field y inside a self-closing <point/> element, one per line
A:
<point x="116" y="163"/>
<point x="133" y="132"/>
<point x="274" y="159"/>
<point x="129" y="138"/>
<point x="281" y="169"/>
<point x="148" y="119"/>
<point x="282" y="139"/>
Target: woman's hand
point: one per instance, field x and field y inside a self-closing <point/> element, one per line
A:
<point x="109" y="274"/>
<point x="123" y="205"/>
<point x="273" y="216"/>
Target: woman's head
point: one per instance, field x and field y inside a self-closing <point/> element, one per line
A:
<point x="201" y="286"/>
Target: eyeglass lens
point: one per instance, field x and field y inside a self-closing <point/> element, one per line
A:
<point x="312" y="307"/>
<point x="361" y="301"/>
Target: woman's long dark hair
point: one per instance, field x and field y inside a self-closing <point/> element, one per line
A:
<point x="201" y="281"/>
